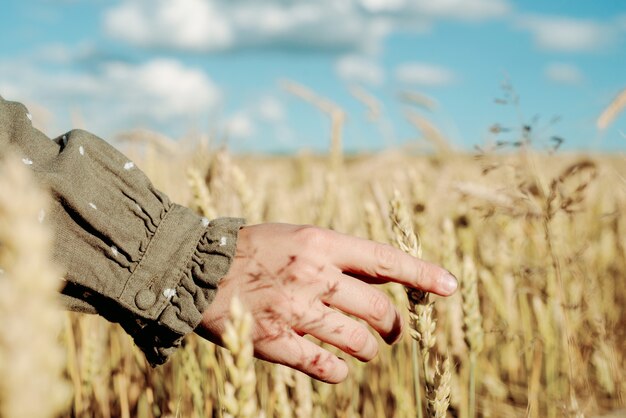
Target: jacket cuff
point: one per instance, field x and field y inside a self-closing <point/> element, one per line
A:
<point x="179" y="305"/>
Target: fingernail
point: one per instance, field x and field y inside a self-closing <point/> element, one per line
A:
<point x="448" y="283"/>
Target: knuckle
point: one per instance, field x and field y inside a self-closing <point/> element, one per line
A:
<point x="386" y="259"/>
<point x="300" y="270"/>
<point x="323" y="367"/>
<point x="423" y="275"/>
<point x="358" y="340"/>
<point x="379" y="305"/>
<point x="308" y="272"/>
<point x="304" y="275"/>
<point x="298" y="313"/>
<point x="311" y="237"/>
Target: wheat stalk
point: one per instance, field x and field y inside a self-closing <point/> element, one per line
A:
<point x="430" y="131"/>
<point x="91" y="359"/>
<point x="419" y="99"/>
<point x="160" y="142"/>
<point x="201" y="201"/>
<point x="335" y="112"/>
<point x="31" y="358"/>
<point x="240" y="387"/>
<point x="369" y="101"/>
<point x="472" y="321"/>
<point x="193" y="375"/>
<point x="282" y="405"/>
<point x="438" y="395"/>
<point x="249" y="201"/>
<point x="420" y="307"/>
<point x="613" y="109"/>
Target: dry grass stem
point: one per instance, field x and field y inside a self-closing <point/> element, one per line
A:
<point x="613" y="109"/>
<point x="431" y="133"/>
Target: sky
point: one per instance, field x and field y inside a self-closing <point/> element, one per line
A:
<point x="219" y="68"/>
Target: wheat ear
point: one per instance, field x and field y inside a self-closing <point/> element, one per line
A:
<point x="420" y="309"/>
<point x="201" y="201"/>
<point x="31" y="357"/>
<point x="240" y="387"/>
<point x="250" y="204"/>
<point x="438" y="395"/>
<point x="472" y="324"/>
<point x="281" y="376"/>
<point x="193" y="375"/>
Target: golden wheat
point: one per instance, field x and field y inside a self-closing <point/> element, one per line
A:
<point x="31" y="359"/>
<point x="546" y="236"/>
<point x="240" y="389"/>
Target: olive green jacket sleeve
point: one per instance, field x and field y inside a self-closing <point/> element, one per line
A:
<point x="129" y="253"/>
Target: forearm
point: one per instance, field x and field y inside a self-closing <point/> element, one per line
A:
<point x="128" y="253"/>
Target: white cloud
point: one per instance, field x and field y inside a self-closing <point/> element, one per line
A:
<point x="563" y="73"/>
<point x="163" y="88"/>
<point x="199" y="25"/>
<point x="567" y="34"/>
<point x="346" y="25"/>
<point x="159" y="93"/>
<point x="424" y="74"/>
<point x="461" y="9"/>
<point x="240" y="126"/>
<point x="357" y="69"/>
<point x="55" y="53"/>
<point x="383" y="5"/>
<point x="62" y="54"/>
<point x="185" y="24"/>
<point x="271" y="109"/>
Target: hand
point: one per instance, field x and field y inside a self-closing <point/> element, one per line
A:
<point x="298" y="280"/>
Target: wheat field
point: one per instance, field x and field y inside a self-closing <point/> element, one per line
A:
<point x="537" y="329"/>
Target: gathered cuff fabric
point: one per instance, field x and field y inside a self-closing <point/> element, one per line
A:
<point x="195" y="290"/>
<point x="166" y="310"/>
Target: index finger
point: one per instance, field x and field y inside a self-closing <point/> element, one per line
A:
<point x="383" y="262"/>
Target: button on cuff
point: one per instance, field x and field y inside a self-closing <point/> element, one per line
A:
<point x="145" y="299"/>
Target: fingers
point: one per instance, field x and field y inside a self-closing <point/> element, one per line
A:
<point x="381" y="261"/>
<point x="368" y="303"/>
<point x="341" y="331"/>
<point x="292" y="350"/>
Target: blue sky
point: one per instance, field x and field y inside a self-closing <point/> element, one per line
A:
<point x="216" y="67"/>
